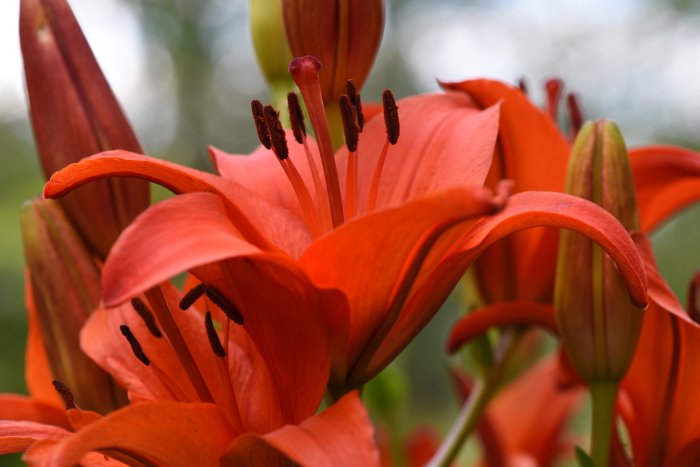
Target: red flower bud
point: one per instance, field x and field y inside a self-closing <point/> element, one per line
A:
<point x="75" y="114"/>
<point x="343" y="35"/>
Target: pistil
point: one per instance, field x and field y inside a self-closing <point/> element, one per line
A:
<point x="305" y="72"/>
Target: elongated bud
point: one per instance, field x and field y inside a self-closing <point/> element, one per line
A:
<point x="74" y="115"/>
<point x="345" y="36"/>
<point x="271" y="48"/>
<point x="65" y="285"/>
<point x="599" y="324"/>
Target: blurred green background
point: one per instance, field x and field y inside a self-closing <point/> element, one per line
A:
<point x="185" y="73"/>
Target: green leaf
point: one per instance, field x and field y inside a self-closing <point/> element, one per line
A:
<point x="583" y="459"/>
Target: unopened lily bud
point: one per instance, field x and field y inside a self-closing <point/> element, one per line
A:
<point x="74" y="115"/>
<point x="271" y="48"/>
<point x="344" y="36"/>
<point x="599" y="324"/>
<point x="65" y="285"/>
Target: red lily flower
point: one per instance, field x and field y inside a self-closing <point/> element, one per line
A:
<point x="533" y="153"/>
<point x="232" y="404"/>
<point x="389" y="251"/>
<point x="657" y="400"/>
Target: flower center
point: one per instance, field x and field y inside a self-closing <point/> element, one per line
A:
<point x="328" y="210"/>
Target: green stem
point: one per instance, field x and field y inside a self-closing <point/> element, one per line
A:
<point x="474" y="407"/>
<point x="603" y="396"/>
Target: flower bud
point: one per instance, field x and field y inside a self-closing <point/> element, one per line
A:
<point x="65" y="285"/>
<point x="271" y="48"/>
<point x="75" y="114"/>
<point x="344" y="36"/>
<point x="599" y="324"/>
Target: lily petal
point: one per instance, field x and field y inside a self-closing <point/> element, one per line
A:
<point x="166" y="433"/>
<point x="667" y="180"/>
<point x="523" y="211"/>
<point x="260" y="222"/>
<point x="170" y="237"/>
<point x="395" y="239"/>
<point x="261" y="173"/>
<point x="341" y="435"/>
<point x="21" y="408"/>
<point x="17" y="436"/>
<point x="445" y="143"/>
<point x="479" y="321"/>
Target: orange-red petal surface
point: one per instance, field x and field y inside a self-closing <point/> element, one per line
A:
<point x="166" y="433"/>
<point x="340" y="435"/>
<point x="667" y="180"/>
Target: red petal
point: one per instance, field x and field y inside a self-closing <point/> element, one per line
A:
<point x="18" y="436"/>
<point x="169" y="238"/>
<point x="37" y="371"/>
<point x="260" y="222"/>
<point x="667" y="180"/>
<point x="341" y="435"/>
<point x="261" y="172"/>
<point x="524" y="210"/>
<point x="532" y="152"/>
<point x="479" y="321"/>
<point x="376" y="257"/>
<point x="21" y="408"/>
<point x="166" y="433"/>
<point x="444" y="143"/>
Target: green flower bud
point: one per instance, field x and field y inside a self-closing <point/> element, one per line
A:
<point x="599" y="325"/>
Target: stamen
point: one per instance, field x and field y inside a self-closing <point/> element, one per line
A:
<point x="213" y="336"/>
<point x="351" y="127"/>
<point x="391" y="120"/>
<point x="161" y="310"/>
<point x="192" y="296"/>
<point x="147" y="316"/>
<point x="260" y="126"/>
<point x="522" y="84"/>
<point x="227" y="307"/>
<point x="553" y="87"/>
<point x="305" y="72"/>
<point x="279" y="147"/>
<point x="356" y="102"/>
<point x="276" y="132"/>
<point x="135" y="346"/>
<point x="391" y="116"/>
<point x="65" y="394"/>
<point x="296" y="117"/>
<point x="575" y="114"/>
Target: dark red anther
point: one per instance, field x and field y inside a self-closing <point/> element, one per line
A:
<point x="192" y="296"/>
<point x="350" y="126"/>
<point x="213" y="336"/>
<point x="147" y="316"/>
<point x="356" y="103"/>
<point x="227" y="307"/>
<point x="553" y="88"/>
<point x="65" y="394"/>
<point x="260" y="126"/>
<point x="135" y="346"/>
<point x="296" y="117"/>
<point x="575" y="114"/>
<point x="522" y="84"/>
<point x="391" y="116"/>
<point x="277" y="135"/>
